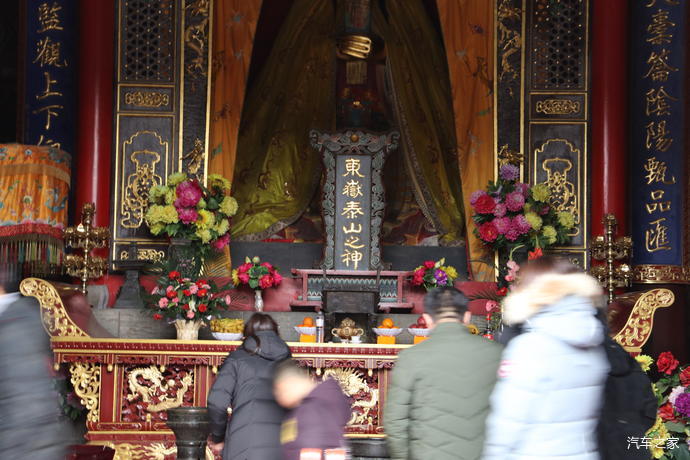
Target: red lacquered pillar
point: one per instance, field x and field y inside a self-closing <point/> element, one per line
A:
<point x="95" y="116"/>
<point x="609" y="122"/>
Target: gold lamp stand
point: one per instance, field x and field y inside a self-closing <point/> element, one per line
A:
<point x="87" y="238"/>
<point x="615" y="273"/>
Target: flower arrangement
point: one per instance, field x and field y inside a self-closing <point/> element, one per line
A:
<point x="434" y="274"/>
<point x="256" y="274"/>
<point x="668" y="438"/>
<point x="178" y="298"/>
<point x="511" y="214"/>
<point x="186" y="208"/>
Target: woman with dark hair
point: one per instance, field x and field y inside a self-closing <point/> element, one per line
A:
<point x="549" y="394"/>
<point x="244" y="388"/>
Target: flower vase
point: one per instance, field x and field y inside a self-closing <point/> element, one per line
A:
<point x="188" y="330"/>
<point x="185" y="257"/>
<point x="258" y="300"/>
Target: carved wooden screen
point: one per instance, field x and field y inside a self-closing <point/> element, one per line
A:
<point x="542" y="93"/>
<point x="161" y="118"/>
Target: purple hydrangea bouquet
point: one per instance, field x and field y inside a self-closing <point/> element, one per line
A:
<point x="510" y="214"/>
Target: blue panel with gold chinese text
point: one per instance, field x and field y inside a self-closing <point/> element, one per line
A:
<point x="657" y="131"/>
<point x="49" y="111"/>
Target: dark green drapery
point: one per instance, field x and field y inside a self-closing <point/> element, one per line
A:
<point x="277" y="171"/>
<point x="424" y="114"/>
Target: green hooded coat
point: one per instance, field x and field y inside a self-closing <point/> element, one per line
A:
<point x="438" y="399"/>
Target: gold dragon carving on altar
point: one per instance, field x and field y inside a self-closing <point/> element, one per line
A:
<point x="157" y="383"/>
<point x="352" y="383"/>
<point x="128" y="451"/>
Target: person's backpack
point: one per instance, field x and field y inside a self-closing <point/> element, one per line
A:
<point x="629" y="406"/>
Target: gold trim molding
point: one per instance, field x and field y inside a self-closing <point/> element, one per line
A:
<point x="661" y="274"/>
<point x="55" y="319"/>
<point x="86" y="379"/>
<point x="638" y="328"/>
<point x="147" y="99"/>
<point x="557" y="106"/>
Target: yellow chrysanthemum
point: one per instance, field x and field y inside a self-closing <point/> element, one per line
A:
<point x="658" y="435"/>
<point x="161" y="215"/>
<point x="235" y="278"/>
<point x="157" y="229"/>
<point x="216" y="180"/>
<point x="645" y="361"/>
<point x="157" y="194"/>
<point x="541" y="192"/>
<point x="170" y="196"/>
<point x="222" y="227"/>
<point x="206" y="219"/>
<point x="566" y="219"/>
<point x="228" y="206"/>
<point x="176" y="178"/>
<point x="450" y="271"/>
<point x="204" y="235"/>
<point x="534" y="220"/>
<point x="550" y="233"/>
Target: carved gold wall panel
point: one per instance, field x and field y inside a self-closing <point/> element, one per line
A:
<point x="554" y="112"/>
<point x="162" y="119"/>
<point x="137" y="184"/>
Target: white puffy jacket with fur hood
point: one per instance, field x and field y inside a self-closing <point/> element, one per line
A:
<point x="547" y="400"/>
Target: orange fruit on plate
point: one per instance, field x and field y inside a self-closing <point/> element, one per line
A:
<point x="308" y="322"/>
<point x="388" y="323"/>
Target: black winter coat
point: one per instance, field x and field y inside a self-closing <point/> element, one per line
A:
<point x="245" y="384"/>
<point x="629" y="408"/>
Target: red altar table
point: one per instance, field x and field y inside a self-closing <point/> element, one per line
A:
<point x="127" y="385"/>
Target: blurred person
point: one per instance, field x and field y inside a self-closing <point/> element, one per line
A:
<point x="438" y="399"/>
<point x="629" y="408"/>
<point x="245" y="385"/>
<point x="318" y="411"/>
<point x="548" y="398"/>
<point x="29" y="413"/>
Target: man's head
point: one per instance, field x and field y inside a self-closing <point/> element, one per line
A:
<point x="445" y="304"/>
<point x="291" y="384"/>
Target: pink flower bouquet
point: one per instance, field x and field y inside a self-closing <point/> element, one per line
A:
<point x="186" y="208"/>
<point x="510" y="214"/>
<point x="175" y="298"/>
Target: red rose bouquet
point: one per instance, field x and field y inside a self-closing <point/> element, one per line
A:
<point x="434" y="274"/>
<point x="256" y="274"/>
<point x="668" y="438"/>
<point x="182" y="298"/>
